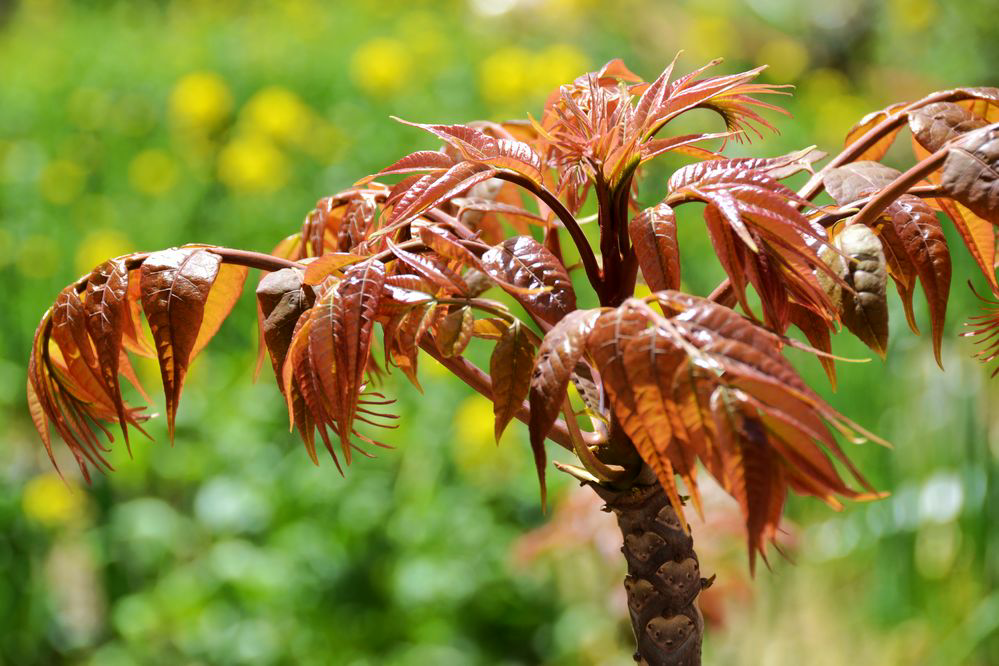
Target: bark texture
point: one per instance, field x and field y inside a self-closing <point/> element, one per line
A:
<point x="664" y="577"/>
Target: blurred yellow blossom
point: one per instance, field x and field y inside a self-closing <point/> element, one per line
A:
<point x="252" y="163"/>
<point x="201" y="101"/>
<point x="97" y="246"/>
<point x="62" y="181"/>
<point x="913" y="15"/>
<point x="474" y="446"/>
<point x="48" y="500"/>
<point x="37" y="257"/>
<point x="786" y="58"/>
<point x="381" y="66"/>
<point x="152" y="172"/>
<point x="278" y="113"/>
<point x="505" y="75"/>
<point x="558" y="64"/>
<point x="710" y="37"/>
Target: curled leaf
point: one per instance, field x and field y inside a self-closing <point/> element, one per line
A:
<point x="865" y="308"/>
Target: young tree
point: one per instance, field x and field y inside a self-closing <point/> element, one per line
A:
<point x="661" y="381"/>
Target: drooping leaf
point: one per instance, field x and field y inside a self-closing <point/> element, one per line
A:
<point x="606" y="344"/>
<point x="455" y="332"/>
<point x="865" y="308"/>
<point x="175" y="287"/>
<point x="355" y="305"/>
<point x="560" y="351"/>
<point x="510" y="366"/>
<point x="920" y="234"/>
<point x="653" y="236"/>
<point x="282" y="298"/>
<point x="528" y="265"/>
<point x="107" y="290"/>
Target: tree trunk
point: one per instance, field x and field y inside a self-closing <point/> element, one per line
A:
<point x="663" y="578"/>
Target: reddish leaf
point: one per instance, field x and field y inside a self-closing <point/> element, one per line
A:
<point x="920" y="233"/>
<point x="455" y="332"/>
<point x="970" y="173"/>
<point x="175" y="288"/>
<point x="510" y="367"/>
<point x="560" y="351"/>
<point x="653" y="237"/>
<point x="531" y="267"/>
<point x="935" y="124"/>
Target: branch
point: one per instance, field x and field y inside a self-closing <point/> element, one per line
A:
<point x="469" y="373"/>
<point x="900" y="186"/>
<point x="872" y="136"/>
<point x="568" y="221"/>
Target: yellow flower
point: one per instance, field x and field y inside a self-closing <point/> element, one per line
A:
<point x="280" y="114"/>
<point x="62" y="181"/>
<point x="558" y="64"/>
<point x="152" y="172"/>
<point x="252" y="163"/>
<point x="201" y="101"/>
<point x="97" y="246"/>
<point x="50" y="501"/>
<point x="787" y="58"/>
<point x="381" y="66"/>
<point x="505" y="75"/>
<point x="474" y="446"/>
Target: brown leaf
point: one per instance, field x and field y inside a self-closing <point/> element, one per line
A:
<point x="560" y="351"/>
<point x="853" y="181"/>
<point x="865" y="309"/>
<point x="935" y="124"/>
<point x="653" y="237"/>
<point x="107" y="289"/>
<point x="282" y="299"/>
<point x="175" y="286"/>
<point x="355" y="305"/>
<point x="529" y="266"/>
<point x="455" y="332"/>
<point x="510" y="367"/>
<point x="919" y="231"/>
<point x="970" y="173"/>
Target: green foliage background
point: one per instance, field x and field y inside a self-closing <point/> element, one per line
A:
<point x="137" y="125"/>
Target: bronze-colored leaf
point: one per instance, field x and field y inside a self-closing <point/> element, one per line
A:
<point x="543" y="285"/>
<point x="455" y="332"/>
<point x="935" y="124"/>
<point x="653" y="237"/>
<point x="865" y="308"/>
<point x="107" y="290"/>
<point x="970" y="173"/>
<point x="510" y="366"/>
<point x="919" y="231"/>
<point x="355" y="305"/>
<point x="175" y="287"/>
<point x="282" y="298"/>
<point x="853" y="181"/>
<point x="560" y="351"/>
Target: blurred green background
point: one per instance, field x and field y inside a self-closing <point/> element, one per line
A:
<point x="139" y="125"/>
